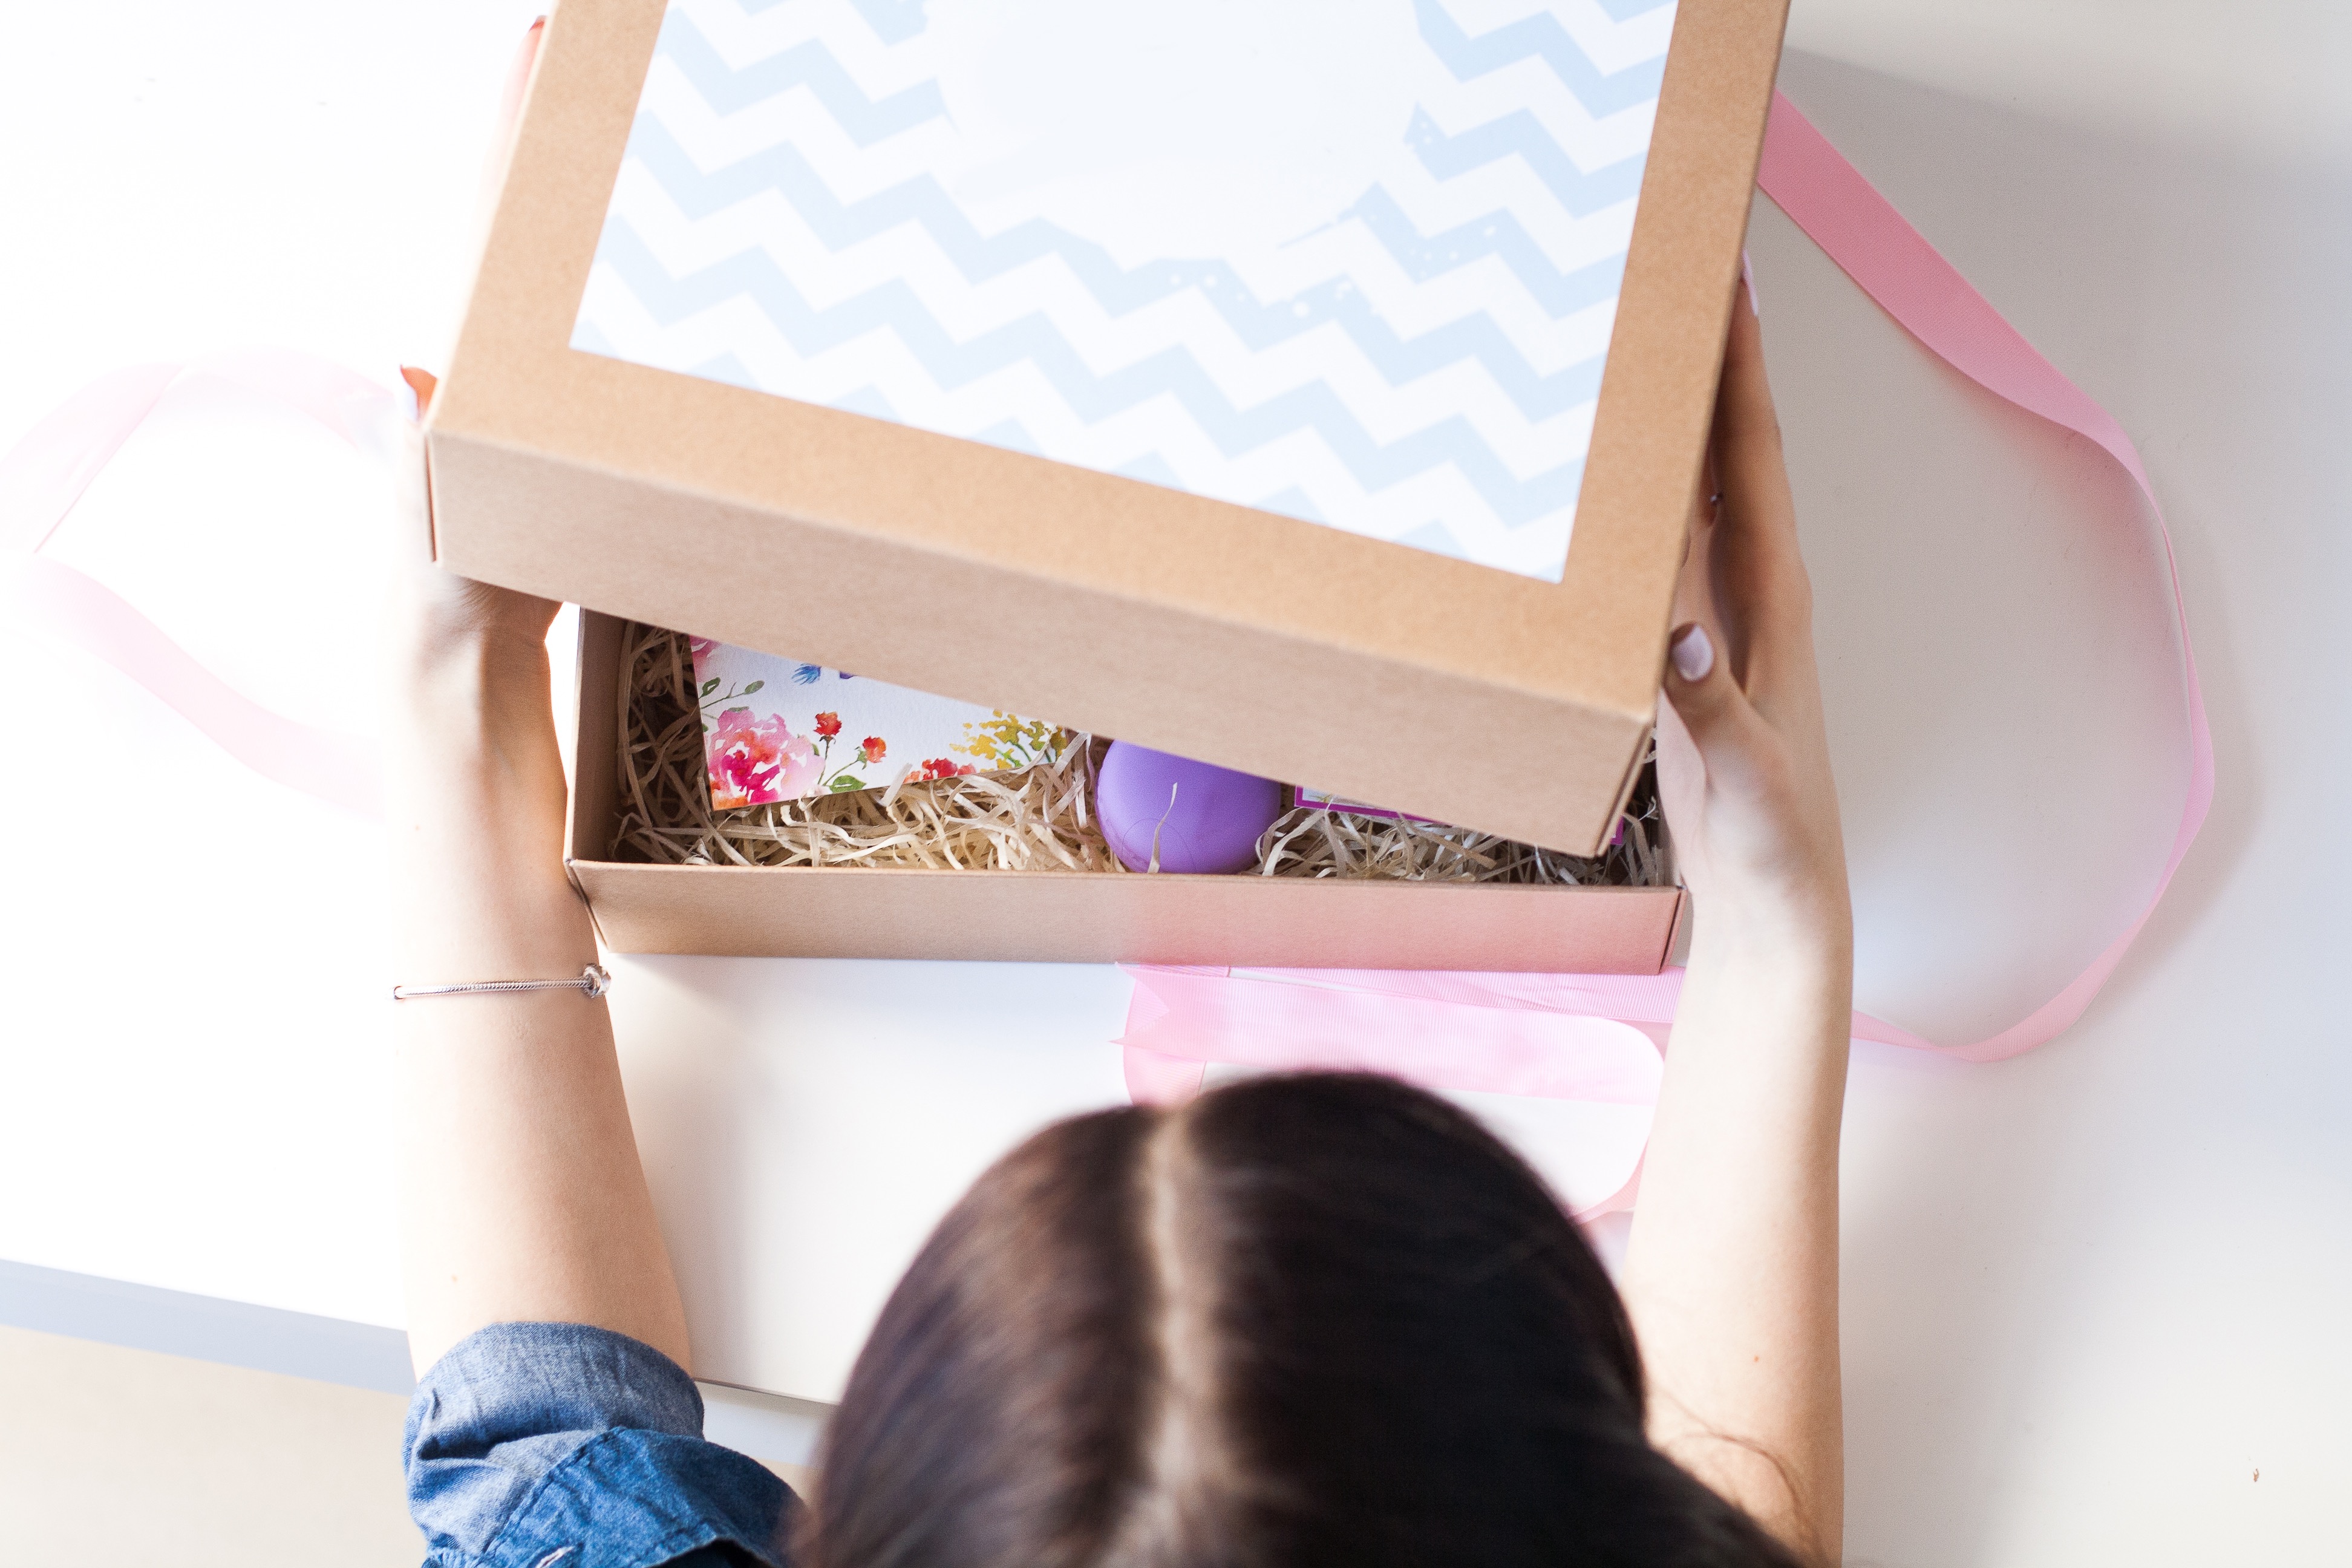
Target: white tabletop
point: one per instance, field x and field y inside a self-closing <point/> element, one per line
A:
<point x="2089" y="1294"/>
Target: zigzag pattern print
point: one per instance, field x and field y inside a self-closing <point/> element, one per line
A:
<point x="1379" y="298"/>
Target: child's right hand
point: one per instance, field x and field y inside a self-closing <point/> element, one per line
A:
<point x="439" y="617"/>
<point x="1743" y="754"/>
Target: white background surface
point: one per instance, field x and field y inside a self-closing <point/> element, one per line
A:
<point x="2089" y="1294"/>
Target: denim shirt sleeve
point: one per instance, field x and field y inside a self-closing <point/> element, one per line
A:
<point x="561" y="1445"/>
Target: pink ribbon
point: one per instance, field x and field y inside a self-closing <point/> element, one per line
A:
<point x="1560" y="1036"/>
<point x="1456" y="1037"/>
<point x="1553" y="1036"/>
<point x="1479" y="1031"/>
<point x="44" y="474"/>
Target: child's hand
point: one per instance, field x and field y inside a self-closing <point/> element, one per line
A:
<point x="437" y="611"/>
<point x="1731" y="1274"/>
<point x="1743" y="757"/>
<point x="438" y="614"/>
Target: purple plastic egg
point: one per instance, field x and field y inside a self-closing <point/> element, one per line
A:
<point x="1205" y="819"/>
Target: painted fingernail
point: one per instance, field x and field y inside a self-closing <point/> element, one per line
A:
<point x="421" y="384"/>
<point x="1693" y="652"/>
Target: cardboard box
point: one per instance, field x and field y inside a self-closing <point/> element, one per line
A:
<point x="1071" y="917"/>
<point x="1260" y="641"/>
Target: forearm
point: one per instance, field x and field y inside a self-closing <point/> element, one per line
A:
<point x="522" y="1196"/>
<point x="1731" y="1276"/>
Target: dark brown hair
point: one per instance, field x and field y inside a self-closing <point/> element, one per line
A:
<point x="1312" y="1319"/>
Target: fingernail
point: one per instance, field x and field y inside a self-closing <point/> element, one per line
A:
<point x="1693" y="652"/>
<point x="418" y="386"/>
<point x="1747" y="278"/>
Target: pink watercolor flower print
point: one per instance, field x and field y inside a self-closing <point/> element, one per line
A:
<point x="800" y="768"/>
<point x="753" y="762"/>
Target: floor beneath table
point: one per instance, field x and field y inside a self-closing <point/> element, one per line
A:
<point x="121" y="1456"/>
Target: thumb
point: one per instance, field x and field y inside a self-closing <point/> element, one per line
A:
<point x="1722" y="724"/>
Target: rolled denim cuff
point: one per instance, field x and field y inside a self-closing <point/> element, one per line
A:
<point x="572" y="1447"/>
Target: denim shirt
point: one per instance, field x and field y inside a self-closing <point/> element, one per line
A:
<point x="559" y="1446"/>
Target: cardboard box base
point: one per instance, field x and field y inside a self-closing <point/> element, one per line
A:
<point x="1071" y="917"/>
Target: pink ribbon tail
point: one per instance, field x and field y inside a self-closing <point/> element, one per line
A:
<point x="339" y="769"/>
<point x="1500" y="1031"/>
<point x="44" y="476"/>
<point x="1861" y="231"/>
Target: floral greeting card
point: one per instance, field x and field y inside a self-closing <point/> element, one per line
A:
<point x="775" y="729"/>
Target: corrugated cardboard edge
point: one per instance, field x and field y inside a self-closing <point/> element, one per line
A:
<point x="609" y="484"/>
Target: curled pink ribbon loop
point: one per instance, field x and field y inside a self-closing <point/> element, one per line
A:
<point x="1337" y="1019"/>
<point x="44" y="474"/>
<point x="1861" y="231"/>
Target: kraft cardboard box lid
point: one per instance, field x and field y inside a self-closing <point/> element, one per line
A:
<point x="1321" y="390"/>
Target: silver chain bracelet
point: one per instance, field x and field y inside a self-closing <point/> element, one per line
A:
<point x="593" y="982"/>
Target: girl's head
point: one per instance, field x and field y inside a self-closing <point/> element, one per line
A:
<point x="1303" y="1319"/>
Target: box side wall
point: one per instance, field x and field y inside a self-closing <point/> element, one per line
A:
<point x="1052" y="917"/>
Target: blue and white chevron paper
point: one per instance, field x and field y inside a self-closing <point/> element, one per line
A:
<point x="1354" y="261"/>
